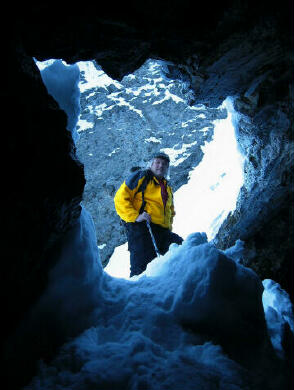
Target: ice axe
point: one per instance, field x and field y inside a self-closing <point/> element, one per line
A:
<point x="153" y="239"/>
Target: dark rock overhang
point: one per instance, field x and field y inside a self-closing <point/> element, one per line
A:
<point x="122" y="35"/>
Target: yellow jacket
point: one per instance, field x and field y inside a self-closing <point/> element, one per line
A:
<point x="128" y="201"/>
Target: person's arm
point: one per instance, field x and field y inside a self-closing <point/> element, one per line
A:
<point x="123" y="202"/>
<point x="124" y="199"/>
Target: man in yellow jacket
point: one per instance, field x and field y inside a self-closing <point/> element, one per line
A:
<point x="143" y="197"/>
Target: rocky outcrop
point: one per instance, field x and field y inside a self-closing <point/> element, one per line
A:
<point x="128" y="122"/>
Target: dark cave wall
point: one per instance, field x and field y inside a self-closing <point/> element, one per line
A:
<point x="42" y="190"/>
<point x="43" y="182"/>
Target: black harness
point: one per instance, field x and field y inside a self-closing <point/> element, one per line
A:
<point x="148" y="177"/>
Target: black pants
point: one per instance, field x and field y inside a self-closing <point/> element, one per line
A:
<point x="141" y="247"/>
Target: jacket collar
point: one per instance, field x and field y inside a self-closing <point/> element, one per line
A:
<point x="157" y="180"/>
<point x="149" y="172"/>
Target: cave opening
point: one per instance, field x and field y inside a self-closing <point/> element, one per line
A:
<point x="154" y="108"/>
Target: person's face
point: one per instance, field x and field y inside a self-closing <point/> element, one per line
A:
<point x="159" y="167"/>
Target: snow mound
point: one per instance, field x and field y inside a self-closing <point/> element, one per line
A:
<point x="175" y="326"/>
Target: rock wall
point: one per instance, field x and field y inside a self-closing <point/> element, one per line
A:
<point x="265" y="206"/>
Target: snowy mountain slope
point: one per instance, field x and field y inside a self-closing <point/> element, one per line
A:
<point x="123" y="124"/>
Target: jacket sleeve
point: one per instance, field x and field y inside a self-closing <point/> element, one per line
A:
<point x="123" y="199"/>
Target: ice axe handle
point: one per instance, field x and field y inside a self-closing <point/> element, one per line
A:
<point x="153" y="239"/>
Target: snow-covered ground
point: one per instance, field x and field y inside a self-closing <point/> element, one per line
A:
<point x="139" y="336"/>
